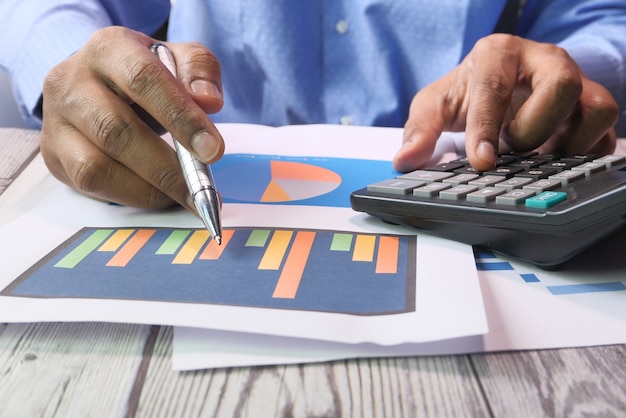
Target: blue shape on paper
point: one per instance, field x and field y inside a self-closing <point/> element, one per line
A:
<point x="331" y="281"/>
<point x="243" y="178"/>
<point x="570" y="289"/>
<point x="530" y="278"/>
<point x="498" y="266"/>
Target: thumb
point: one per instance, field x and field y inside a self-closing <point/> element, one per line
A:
<point x="199" y="71"/>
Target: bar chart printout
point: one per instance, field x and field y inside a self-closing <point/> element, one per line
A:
<point x="314" y="270"/>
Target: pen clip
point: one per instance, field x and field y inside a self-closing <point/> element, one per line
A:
<point x="165" y="56"/>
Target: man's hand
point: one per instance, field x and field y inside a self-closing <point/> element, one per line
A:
<point x="93" y="139"/>
<point x="511" y="93"/>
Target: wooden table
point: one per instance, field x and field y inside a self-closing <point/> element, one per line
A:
<point x="99" y="369"/>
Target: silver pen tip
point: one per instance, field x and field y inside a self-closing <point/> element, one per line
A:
<point x="218" y="239"/>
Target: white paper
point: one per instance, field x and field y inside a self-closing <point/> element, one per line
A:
<point x="46" y="213"/>
<point x="522" y="315"/>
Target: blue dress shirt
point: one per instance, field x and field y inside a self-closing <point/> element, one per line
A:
<point x="320" y="61"/>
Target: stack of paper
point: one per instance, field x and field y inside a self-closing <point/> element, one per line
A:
<point x="299" y="277"/>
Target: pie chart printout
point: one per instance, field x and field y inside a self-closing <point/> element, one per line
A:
<point x="244" y="178"/>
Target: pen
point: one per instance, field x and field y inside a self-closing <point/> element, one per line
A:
<point x="198" y="175"/>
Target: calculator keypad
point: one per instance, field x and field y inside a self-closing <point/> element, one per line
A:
<point x="533" y="181"/>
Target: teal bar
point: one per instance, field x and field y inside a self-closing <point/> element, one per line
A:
<point x="79" y="253"/>
<point x="173" y="242"/>
<point x="258" y="238"/>
<point x="545" y="200"/>
<point x="341" y="242"/>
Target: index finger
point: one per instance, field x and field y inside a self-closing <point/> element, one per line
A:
<point x="493" y="78"/>
<point x="146" y="81"/>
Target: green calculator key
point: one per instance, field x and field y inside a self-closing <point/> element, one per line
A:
<point x="545" y="200"/>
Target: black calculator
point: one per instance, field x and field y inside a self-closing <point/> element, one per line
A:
<point x="540" y="208"/>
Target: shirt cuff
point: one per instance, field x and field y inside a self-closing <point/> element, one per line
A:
<point x="49" y="42"/>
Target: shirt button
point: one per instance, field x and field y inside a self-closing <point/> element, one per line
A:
<point x="346" y="120"/>
<point x="341" y="27"/>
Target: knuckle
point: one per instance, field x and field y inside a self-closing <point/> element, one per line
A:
<point x="110" y="131"/>
<point x="497" y="42"/>
<point x="101" y="36"/>
<point x="156" y="199"/>
<point x="166" y="183"/>
<point x="141" y="76"/>
<point x="604" y="110"/>
<point x="54" y="80"/>
<point x="88" y="175"/>
<point x="57" y="86"/>
<point x="497" y="86"/>
<point x="486" y="124"/>
<point x="168" y="180"/>
<point x="568" y="84"/>
<point x="200" y="55"/>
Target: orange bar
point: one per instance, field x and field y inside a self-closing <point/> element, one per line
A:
<point x="290" y="277"/>
<point x="387" y="259"/>
<point x="192" y="247"/>
<point x="275" y="250"/>
<point x="131" y="248"/>
<point x="364" y="248"/>
<point x="213" y="251"/>
<point x="116" y="240"/>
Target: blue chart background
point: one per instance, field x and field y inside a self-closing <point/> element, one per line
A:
<point x="248" y="175"/>
<point x="331" y="282"/>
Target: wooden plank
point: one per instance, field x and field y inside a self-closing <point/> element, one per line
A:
<point x="17" y="147"/>
<point x="428" y="386"/>
<point x="555" y="383"/>
<point x="79" y="369"/>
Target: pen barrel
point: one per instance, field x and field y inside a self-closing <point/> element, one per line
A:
<point x="197" y="176"/>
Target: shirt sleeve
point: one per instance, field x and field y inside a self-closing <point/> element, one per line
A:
<point x="593" y="33"/>
<point x="41" y="33"/>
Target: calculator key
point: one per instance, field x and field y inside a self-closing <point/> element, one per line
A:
<point x="486" y="181"/>
<point x="568" y="176"/>
<point x="590" y="168"/>
<point x="457" y="192"/>
<point x="561" y="165"/>
<point x="538" y="173"/>
<point x="524" y="154"/>
<point x="505" y="159"/>
<point x="395" y="186"/>
<point x="549" y="157"/>
<point x="467" y="170"/>
<point x="514" y="197"/>
<point x="610" y="160"/>
<point x="484" y="195"/>
<point x="430" y="190"/>
<point x="504" y="171"/>
<point x="514" y="183"/>
<point x="545" y="200"/>
<point x="583" y="158"/>
<point x="427" y="176"/>
<point x="528" y="163"/>
<point x="460" y="179"/>
<point x="445" y="167"/>
<point x="543" y="185"/>
<point x="461" y="160"/>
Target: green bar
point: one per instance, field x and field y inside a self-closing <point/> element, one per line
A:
<point x="258" y="238"/>
<point x="341" y="242"/>
<point x="79" y="253"/>
<point x="173" y="242"/>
